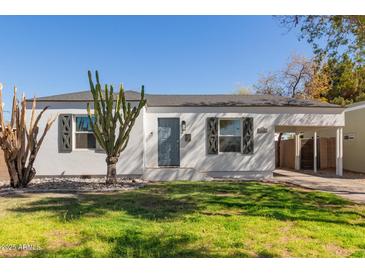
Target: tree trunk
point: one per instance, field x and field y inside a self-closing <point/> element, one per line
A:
<point x="28" y="176"/>
<point x="111" y="174"/>
<point x="19" y="178"/>
<point x="13" y="174"/>
<point x="29" y="171"/>
<point x="278" y="150"/>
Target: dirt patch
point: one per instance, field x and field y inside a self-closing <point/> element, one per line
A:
<point x="337" y="250"/>
<point x="14" y="253"/>
<point x="286" y="238"/>
<point x="58" y="240"/>
<point x="18" y="250"/>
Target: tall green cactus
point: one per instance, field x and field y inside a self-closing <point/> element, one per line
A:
<point x="112" y="121"/>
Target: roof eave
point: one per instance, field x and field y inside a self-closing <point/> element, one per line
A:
<point x="188" y="105"/>
<point x="222" y="105"/>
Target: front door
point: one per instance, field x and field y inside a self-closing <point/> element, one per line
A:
<point x="168" y="141"/>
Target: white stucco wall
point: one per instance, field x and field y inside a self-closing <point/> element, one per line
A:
<point x="141" y="154"/>
<point x="194" y="157"/>
<point x="354" y="149"/>
<point x="83" y="162"/>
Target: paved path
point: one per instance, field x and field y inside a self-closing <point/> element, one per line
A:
<point x="351" y="186"/>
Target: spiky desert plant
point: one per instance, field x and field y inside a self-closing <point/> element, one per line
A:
<point x="112" y="121"/>
<point x="20" y="143"/>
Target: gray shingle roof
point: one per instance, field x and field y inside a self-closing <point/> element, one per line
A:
<point x="222" y="100"/>
<point x="82" y="96"/>
<point x="231" y="101"/>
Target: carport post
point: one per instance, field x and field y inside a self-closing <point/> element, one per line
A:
<point x="315" y="152"/>
<point x="339" y="151"/>
<point x="297" y="151"/>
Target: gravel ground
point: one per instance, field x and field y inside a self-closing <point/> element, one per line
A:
<point x="72" y="184"/>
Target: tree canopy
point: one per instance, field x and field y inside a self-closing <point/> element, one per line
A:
<point x="343" y="81"/>
<point x="332" y="35"/>
<point x="336" y="74"/>
<point x="291" y="81"/>
<point x="335" y="80"/>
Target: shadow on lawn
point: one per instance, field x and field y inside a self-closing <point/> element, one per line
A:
<point x="132" y="243"/>
<point x="265" y="200"/>
<point x="171" y="200"/>
<point x="278" y="202"/>
<point x="136" y="203"/>
<point x="135" y="244"/>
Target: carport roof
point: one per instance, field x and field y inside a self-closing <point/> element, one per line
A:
<point x="206" y="100"/>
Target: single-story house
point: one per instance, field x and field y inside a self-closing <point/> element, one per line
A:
<point x="185" y="137"/>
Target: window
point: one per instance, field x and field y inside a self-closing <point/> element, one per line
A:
<point x="229" y="135"/>
<point x="84" y="135"/>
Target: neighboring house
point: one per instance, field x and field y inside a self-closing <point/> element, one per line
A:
<point x="186" y="137"/>
<point x="354" y="138"/>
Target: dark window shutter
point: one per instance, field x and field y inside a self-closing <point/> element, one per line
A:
<point x="212" y="135"/>
<point x="247" y="135"/>
<point x="65" y="133"/>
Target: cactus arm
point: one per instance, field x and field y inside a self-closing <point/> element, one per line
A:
<point x="99" y="104"/>
<point x="117" y="105"/>
<point x="124" y="105"/>
<point x="95" y="128"/>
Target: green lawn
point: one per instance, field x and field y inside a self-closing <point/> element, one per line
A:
<point x="185" y="219"/>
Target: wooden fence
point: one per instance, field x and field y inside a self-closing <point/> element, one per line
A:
<point x="326" y="153"/>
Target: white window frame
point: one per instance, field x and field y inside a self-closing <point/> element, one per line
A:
<point x="219" y="135"/>
<point x="74" y="130"/>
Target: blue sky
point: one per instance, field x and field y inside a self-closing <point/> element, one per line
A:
<point x="46" y="55"/>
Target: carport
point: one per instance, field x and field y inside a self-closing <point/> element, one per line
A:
<point x="314" y="133"/>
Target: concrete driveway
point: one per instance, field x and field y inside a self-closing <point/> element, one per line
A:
<point x="351" y="186"/>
